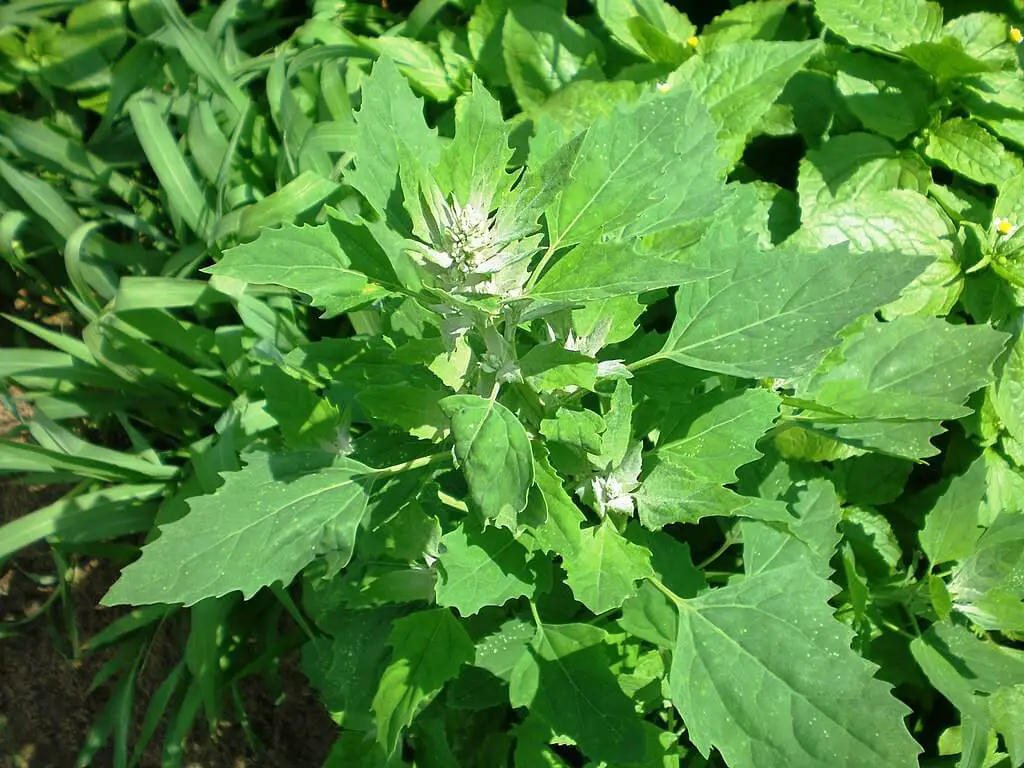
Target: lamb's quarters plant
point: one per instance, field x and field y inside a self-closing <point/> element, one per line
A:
<point x="486" y="451"/>
<point x="649" y="392"/>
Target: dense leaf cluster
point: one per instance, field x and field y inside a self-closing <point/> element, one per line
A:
<point x="633" y="387"/>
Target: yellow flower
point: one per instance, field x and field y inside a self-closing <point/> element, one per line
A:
<point x="663" y="87"/>
<point x="1015" y="35"/>
<point x="693" y="41"/>
<point x="1003" y="227"/>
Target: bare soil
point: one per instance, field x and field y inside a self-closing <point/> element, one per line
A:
<point x="46" y="708"/>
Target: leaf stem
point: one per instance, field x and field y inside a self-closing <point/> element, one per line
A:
<point x="408" y="466"/>
<point x="729" y="541"/>
<point x="666" y="591"/>
<point x="536" y="616"/>
<point x="644" y="362"/>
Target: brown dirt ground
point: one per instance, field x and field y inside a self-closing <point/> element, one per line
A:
<point x="45" y="705"/>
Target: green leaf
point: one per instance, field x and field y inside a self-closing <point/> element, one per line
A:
<point x="472" y="166"/>
<point x="481" y="568"/>
<point x="887" y="24"/>
<point x="969" y="150"/>
<point x="608" y="270"/>
<point x="413" y="408"/>
<point x="1007" y="394"/>
<point x="987" y="584"/>
<point x="951" y="523"/>
<point x="750" y="21"/>
<point x="560" y="531"/>
<point x="888" y="97"/>
<point x="603" y="572"/>
<point x="631" y="24"/>
<point x="347" y="666"/>
<point x="279" y="511"/>
<point x="544" y="51"/>
<point x="306" y="419"/>
<point x="428" y="648"/>
<point x="739" y="82"/>
<point x="567" y="682"/>
<point x="909" y="368"/>
<point x="811" y="538"/>
<point x="774" y="314"/>
<point x="578" y="429"/>
<point x="637" y="169"/>
<point x="306" y="259"/>
<point x="762" y="671"/>
<point x="856" y="165"/>
<point x="493" y="449"/>
<point x="393" y="145"/>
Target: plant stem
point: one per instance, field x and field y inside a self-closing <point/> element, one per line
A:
<point x="665" y="591"/>
<point x="408" y="466"/>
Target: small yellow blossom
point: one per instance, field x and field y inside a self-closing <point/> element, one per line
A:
<point x="1015" y="35"/>
<point x="693" y="41"/>
<point x="663" y="87"/>
<point x="1003" y="227"/>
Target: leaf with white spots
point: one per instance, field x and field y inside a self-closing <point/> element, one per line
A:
<point x="763" y="672"/>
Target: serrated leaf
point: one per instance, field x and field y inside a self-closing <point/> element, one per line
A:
<point x="987" y="584"/>
<point x="346" y="666"/>
<point x="481" y="568"/>
<point x="306" y="259"/>
<point x="811" y="538"/>
<point x="887" y="24"/>
<point x="567" y="682"/>
<point x="560" y="531"/>
<point x="909" y="368"/>
<point x="750" y="21"/>
<point x="579" y="429"/>
<point x="951" y="523"/>
<point x="855" y="165"/>
<point x="774" y="314"/>
<point x="604" y="571"/>
<point x="544" y="50"/>
<point x="279" y="511"/>
<point x="622" y="18"/>
<point x="472" y="166"/>
<point x="896" y="220"/>
<point x="756" y="661"/>
<point x="428" y="647"/>
<point x="888" y="97"/>
<point x="739" y="82"/>
<point x="393" y="145"/>
<point x="493" y="450"/>
<point x="969" y="150"/>
<point x="637" y="168"/>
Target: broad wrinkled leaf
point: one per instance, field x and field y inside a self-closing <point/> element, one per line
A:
<point x="897" y="220"/>
<point x="493" y="450"/>
<point x="605" y="569"/>
<point x="853" y="166"/>
<point x="888" y="97"/>
<point x="481" y="568"/>
<point x="279" y="511"/>
<point x="887" y="24"/>
<point x="969" y="150"/>
<point x="567" y="682"/>
<point x="634" y="23"/>
<point x="763" y="672"/>
<point x="428" y="648"/>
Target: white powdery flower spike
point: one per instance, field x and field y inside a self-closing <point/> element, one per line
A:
<point x="466" y="247"/>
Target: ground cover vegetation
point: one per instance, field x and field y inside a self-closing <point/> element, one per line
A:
<point x="619" y="384"/>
